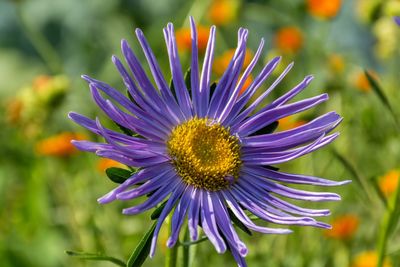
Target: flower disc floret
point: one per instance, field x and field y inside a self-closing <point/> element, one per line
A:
<point x="205" y="154"/>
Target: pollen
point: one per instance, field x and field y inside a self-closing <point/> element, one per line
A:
<point x="205" y="154"/>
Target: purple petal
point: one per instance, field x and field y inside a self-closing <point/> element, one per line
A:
<point x="176" y="70"/>
<point x="176" y="194"/>
<point x="290" y="192"/>
<point x="154" y="199"/>
<point x="179" y="216"/>
<point x="241" y="215"/>
<point x="206" y="75"/>
<point x="245" y="97"/>
<point x="193" y="214"/>
<point x="208" y="222"/>
<point x="290" y="178"/>
<point x="260" y="120"/>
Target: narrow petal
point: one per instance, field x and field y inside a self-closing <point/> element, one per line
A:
<point x="176" y="194"/>
<point x="206" y="75"/>
<point x="179" y="216"/>
<point x="260" y="120"/>
<point x="154" y="199"/>
<point x="208" y="222"/>
<point x="193" y="213"/>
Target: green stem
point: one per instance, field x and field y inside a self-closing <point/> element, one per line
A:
<point x="186" y="251"/>
<point x="389" y="223"/>
<point x="172" y="253"/>
<point x="189" y="243"/>
<point x="40" y="43"/>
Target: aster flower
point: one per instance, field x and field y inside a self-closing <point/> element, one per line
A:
<point x="397" y="20"/>
<point x="206" y="149"/>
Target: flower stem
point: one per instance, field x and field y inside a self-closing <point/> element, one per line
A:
<point x="172" y="253"/>
<point x="389" y="222"/>
<point x="186" y="251"/>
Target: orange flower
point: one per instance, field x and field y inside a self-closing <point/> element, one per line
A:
<point x="14" y="110"/>
<point x="222" y="12"/>
<point x="184" y="39"/>
<point x="103" y="164"/>
<point x="324" y="9"/>
<point x="336" y="63"/>
<point x="343" y="227"/>
<point x="58" y="145"/>
<point x="222" y="62"/>
<point x="389" y="182"/>
<point x="246" y="84"/>
<point x="369" y="259"/>
<point x="288" y="123"/>
<point x="289" y="40"/>
<point x="41" y="82"/>
<point x="361" y="82"/>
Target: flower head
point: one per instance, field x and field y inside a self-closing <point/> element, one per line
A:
<point x="325" y="9"/>
<point x="289" y="40"/>
<point x="58" y="145"/>
<point x="397" y="20"/>
<point x="222" y="12"/>
<point x="206" y="150"/>
<point x="369" y="259"/>
<point x="389" y="182"/>
<point x="343" y="227"/>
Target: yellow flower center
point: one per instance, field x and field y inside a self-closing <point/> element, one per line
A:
<point x="205" y="154"/>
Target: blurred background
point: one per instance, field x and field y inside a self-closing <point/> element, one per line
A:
<point x="48" y="190"/>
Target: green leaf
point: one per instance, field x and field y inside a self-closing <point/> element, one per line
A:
<point x="141" y="252"/>
<point x="360" y="180"/>
<point x="381" y="95"/>
<point x="379" y="191"/>
<point x="156" y="213"/>
<point x="95" y="257"/>
<point x="118" y="175"/>
<point x="238" y="223"/>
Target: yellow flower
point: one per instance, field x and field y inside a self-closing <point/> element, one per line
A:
<point x="221" y="63"/>
<point x="336" y="63"/>
<point x="103" y="164"/>
<point x="13" y="110"/>
<point x="360" y="80"/>
<point x="289" y="122"/>
<point x="58" y="145"/>
<point x="289" y="40"/>
<point x="223" y="12"/>
<point x="325" y="9"/>
<point x="184" y="40"/>
<point x="389" y="182"/>
<point x="343" y="227"/>
<point x="369" y="259"/>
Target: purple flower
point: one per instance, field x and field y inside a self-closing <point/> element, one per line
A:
<point x="397" y="20"/>
<point x="206" y="149"/>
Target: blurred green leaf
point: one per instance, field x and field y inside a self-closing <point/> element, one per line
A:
<point x="156" y="213"/>
<point x="95" y="257"/>
<point x="118" y="175"/>
<point x="348" y="166"/>
<point x="378" y="191"/>
<point x="142" y="250"/>
<point x="381" y="95"/>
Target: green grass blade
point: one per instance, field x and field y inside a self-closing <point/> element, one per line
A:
<point x="95" y="257"/>
<point x="381" y="95"/>
<point x="142" y="250"/>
